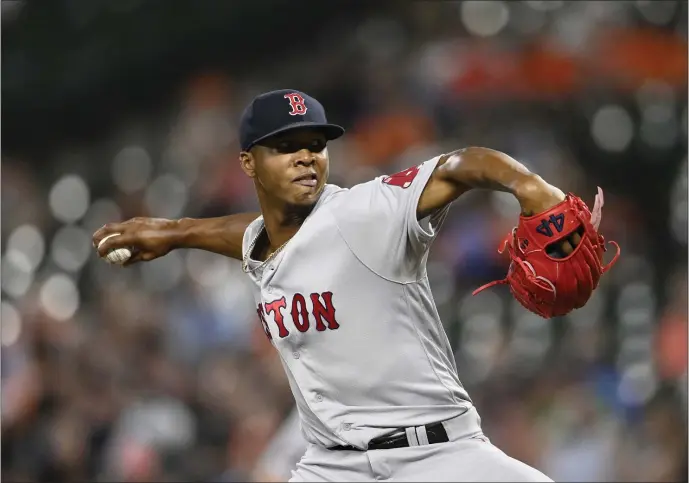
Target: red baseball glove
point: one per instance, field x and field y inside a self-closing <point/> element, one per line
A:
<point x="541" y="276"/>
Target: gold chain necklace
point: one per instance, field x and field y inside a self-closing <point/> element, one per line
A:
<point x="245" y="259"/>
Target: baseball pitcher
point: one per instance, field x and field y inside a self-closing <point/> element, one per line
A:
<point x="342" y="293"/>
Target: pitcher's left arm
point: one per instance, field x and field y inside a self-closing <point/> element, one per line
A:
<point x="477" y="167"/>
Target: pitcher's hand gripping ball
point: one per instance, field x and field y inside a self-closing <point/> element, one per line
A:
<point x="541" y="277"/>
<point x="117" y="256"/>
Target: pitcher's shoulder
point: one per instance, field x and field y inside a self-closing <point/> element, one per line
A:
<point x="348" y="199"/>
<point x="331" y="195"/>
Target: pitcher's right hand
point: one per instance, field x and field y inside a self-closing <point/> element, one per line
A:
<point x="147" y="238"/>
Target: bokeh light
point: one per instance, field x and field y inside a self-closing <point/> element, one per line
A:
<point x="131" y="169"/>
<point x="16" y="273"/>
<point x="59" y="297"/>
<point x="166" y="196"/>
<point x="71" y="248"/>
<point x="69" y="198"/>
<point x="612" y="128"/>
<point x="637" y="385"/>
<point x="658" y="12"/>
<point x="11" y="323"/>
<point x="100" y="212"/>
<point x="484" y="19"/>
<point x="27" y="240"/>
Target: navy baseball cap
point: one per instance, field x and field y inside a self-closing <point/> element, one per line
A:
<point x="279" y="111"/>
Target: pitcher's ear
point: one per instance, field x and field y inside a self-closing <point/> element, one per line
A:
<point x="247" y="162"/>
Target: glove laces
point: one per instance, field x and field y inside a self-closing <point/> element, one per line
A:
<point x="593" y="222"/>
<point x="507" y="244"/>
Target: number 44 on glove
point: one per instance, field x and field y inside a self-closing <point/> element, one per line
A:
<point x="541" y="277"/>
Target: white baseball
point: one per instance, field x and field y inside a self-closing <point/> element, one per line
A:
<point x="119" y="255"/>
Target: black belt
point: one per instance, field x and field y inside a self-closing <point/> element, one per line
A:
<point x="436" y="434"/>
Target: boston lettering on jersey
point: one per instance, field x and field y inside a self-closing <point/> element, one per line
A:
<point x="322" y="313"/>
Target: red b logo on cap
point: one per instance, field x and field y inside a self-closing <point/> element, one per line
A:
<point x="296" y="101"/>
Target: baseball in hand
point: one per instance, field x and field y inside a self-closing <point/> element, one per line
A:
<point x="119" y="255"/>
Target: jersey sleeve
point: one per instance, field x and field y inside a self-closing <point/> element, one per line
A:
<point x="378" y="222"/>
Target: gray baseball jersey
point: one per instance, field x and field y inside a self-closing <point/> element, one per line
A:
<point x="348" y="306"/>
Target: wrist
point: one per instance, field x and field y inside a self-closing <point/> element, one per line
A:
<point x="535" y="195"/>
<point x="527" y="188"/>
<point x="179" y="232"/>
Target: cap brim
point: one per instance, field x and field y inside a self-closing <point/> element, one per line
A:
<point x="331" y="131"/>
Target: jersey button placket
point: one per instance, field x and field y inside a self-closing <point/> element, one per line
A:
<point x="296" y="355"/>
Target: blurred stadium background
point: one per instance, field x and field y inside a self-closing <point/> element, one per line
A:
<point x="120" y="108"/>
